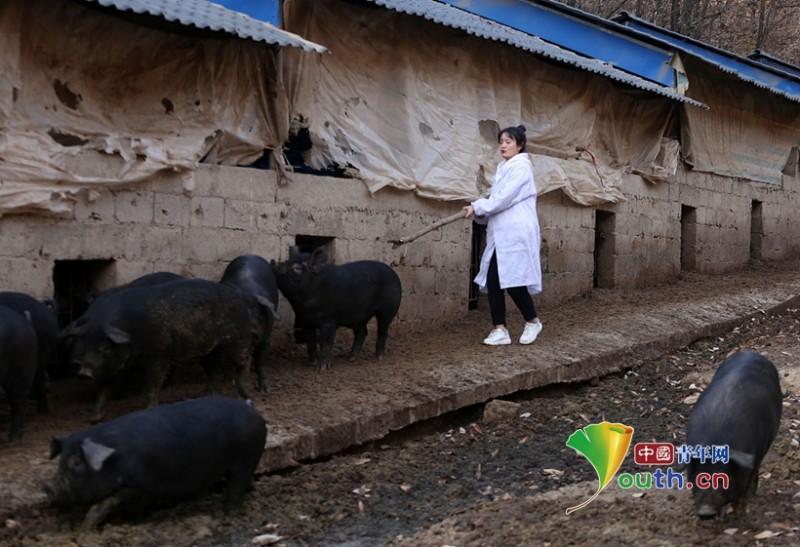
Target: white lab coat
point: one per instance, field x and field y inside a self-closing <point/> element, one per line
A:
<point x="512" y="227"/>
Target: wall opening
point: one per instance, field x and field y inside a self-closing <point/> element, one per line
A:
<point x="756" y="230"/>
<point x="792" y="162"/>
<point x="688" y="238"/>
<point x="75" y="283"/>
<point x="476" y="251"/>
<point x="307" y="244"/>
<point x="604" y="248"/>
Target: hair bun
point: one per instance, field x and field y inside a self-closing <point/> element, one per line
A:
<point x="521" y="128"/>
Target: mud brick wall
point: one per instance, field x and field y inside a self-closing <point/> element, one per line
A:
<point x="196" y="224"/>
<point x="567" y="247"/>
<point x="724" y="214"/>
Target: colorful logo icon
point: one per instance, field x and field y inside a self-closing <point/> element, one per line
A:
<point x="653" y="453"/>
<point x="605" y="445"/>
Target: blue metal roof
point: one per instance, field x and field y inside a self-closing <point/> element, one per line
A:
<point x="268" y="11"/>
<point x="630" y="43"/>
<point x="203" y="14"/>
<point x="445" y="14"/>
<point x="578" y="31"/>
<point x="784" y="82"/>
<point x="774" y="62"/>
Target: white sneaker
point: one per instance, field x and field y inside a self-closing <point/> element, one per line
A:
<point x="498" y="337"/>
<point x="530" y="333"/>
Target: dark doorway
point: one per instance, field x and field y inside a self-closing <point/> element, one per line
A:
<point x="75" y="283"/>
<point x="604" y="248"/>
<point x="476" y="252"/>
<point x="688" y="238"/>
<point x="756" y="230"/>
<point x="307" y="244"/>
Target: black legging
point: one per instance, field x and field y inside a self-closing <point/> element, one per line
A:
<point x="497" y="300"/>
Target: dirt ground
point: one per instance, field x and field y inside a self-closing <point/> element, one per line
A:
<point x="470" y="479"/>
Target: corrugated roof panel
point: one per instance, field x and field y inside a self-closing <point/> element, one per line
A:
<point x="203" y="14"/>
<point x="775" y="63"/>
<point x="481" y="27"/>
<point x="268" y="11"/>
<point x="581" y="32"/>
<point x="780" y="82"/>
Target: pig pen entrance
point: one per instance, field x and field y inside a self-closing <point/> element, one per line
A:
<point x="307" y="244"/>
<point x="688" y="238"/>
<point x="476" y="251"/>
<point x="75" y="283"/>
<point x="604" y="243"/>
<point x="756" y="230"/>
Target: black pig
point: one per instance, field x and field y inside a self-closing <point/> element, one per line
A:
<point x="44" y="322"/>
<point x="301" y="326"/>
<point x="70" y="345"/>
<point x="253" y="276"/>
<point x="326" y="296"/>
<point x="162" y="327"/>
<point x="159" y="455"/>
<point x="740" y="408"/>
<point x="18" y="363"/>
<point x="147" y="280"/>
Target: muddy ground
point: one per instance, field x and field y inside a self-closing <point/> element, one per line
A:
<point x="467" y="479"/>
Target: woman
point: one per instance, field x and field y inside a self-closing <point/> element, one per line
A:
<point x="510" y="262"/>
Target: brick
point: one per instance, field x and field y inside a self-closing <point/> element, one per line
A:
<point x="133" y="207"/>
<point x="207" y="211"/>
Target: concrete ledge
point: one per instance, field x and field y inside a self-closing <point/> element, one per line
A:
<point x="315" y="414"/>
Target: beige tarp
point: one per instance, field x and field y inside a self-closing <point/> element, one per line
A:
<point x="88" y="99"/>
<point x="416" y="105"/>
<point x="747" y="133"/>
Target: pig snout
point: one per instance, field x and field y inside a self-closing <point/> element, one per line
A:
<point x="57" y="491"/>
<point x="85" y="373"/>
<point x="706" y="511"/>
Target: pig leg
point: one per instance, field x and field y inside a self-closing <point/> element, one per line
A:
<point x="100" y="511"/>
<point x="17" y="403"/>
<point x="359" y="335"/>
<point x="311" y="343"/>
<point x="156" y="376"/>
<point x="240" y="481"/>
<point x="214" y="364"/>
<point x="262" y="351"/>
<point x="237" y="358"/>
<point x="740" y="505"/>
<point x="326" y="339"/>
<point x="383" y="333"/>
<point x="100" y="404"/>
<point x="242" y="363"/>
<point x="40" y="389"/>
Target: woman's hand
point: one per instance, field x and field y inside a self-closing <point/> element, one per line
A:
<point x="469" y="212"/>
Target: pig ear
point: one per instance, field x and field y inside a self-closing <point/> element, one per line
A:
<point x="56" y="443"/>
<point x="118" y="336"/>
<point x="76" y="328"/>
<point x="268" y="305"/>
<point x="318" y="259"/>
<point x="743" y="459"/>
<point x="95" y="453"/>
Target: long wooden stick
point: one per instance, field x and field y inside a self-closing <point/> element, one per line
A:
<point x="438" y="224"/>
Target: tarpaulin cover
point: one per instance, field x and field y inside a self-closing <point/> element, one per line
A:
<point x="417" y="106"/>
<point x="745" y="134"/>
<point x="88" y="99"/>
